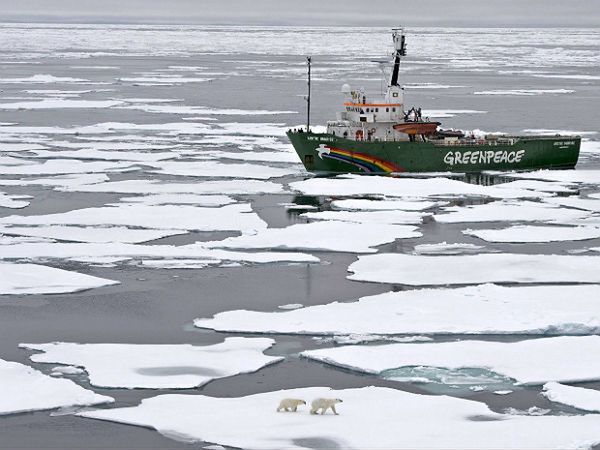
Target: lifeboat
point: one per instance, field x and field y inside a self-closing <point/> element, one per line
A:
<point x="414" y="128"/>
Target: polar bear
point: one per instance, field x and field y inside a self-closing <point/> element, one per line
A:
<point x="324" y="404"/>
<point x="290" y="403"/>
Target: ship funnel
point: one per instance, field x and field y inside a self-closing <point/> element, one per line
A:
<point x="400" y="50"/>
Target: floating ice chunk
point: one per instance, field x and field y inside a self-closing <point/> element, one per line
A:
<point x="121" y="250"/>
<point x="325" y="236"/>
<point x="531" y="233"/>
<point x="526" y="92"/>
<point x="59" y="103"/>
<point x="180" y="199"/>
<point x="66" y="370"/>
<point x="568" y="76"/>
<point x="357" y="185"/>
<point x="19" y="279"/>
<point x="541" y="186"/>
<point x="20" y="147"/>
<point x="62" y="181"/>
<point x="44" y="78"/>
<point x="564" y="358"/>
<point x="64" y="166"/>
<point x="580" y="398"/>
<point x="563" y="176"/>
<point x="411" y="86"/>
<point x="178" y="366"/>
<point x="106" y="155"/>
<point x="381" y="217"/>
<point x="445" y="113"/>
<point x="501" y="211"/>
<point x="157" y="81"/>
<point x="503" y="392"/>
<point x="184" y="109"/>
<point x="26" y="389"/>
<point x="471" y="269"/>
<point x="11" y="240"/>
<point x="577" y="203"/>
<point x="217" y="169"/>
<point x="240" y="422"/>
<point x="91" y="234"/>
<point x="272" y="157"/>
<point x="447" y="249"/>
<point x="227" y="187"/>
<point x="180" y="263"/>
<point x="290" y="306"/>
<point x="492" y="310"/>
<point x="383" y="205"/>
<point x="236" y="217"/>
<point x="12" y="201"/>
<point x="589" y="147"/>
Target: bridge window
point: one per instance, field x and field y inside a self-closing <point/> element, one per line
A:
<point x="387" y="109"/>
<point x="393" y="109"/>
<point x="376" y="109"/>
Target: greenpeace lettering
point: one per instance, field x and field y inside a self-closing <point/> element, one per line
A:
<point x="484" y="157"/>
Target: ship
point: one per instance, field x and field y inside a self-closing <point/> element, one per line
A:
<point x="378" y="135"/>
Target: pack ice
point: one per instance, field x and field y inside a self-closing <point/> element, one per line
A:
<point x="491" y="310"/>
<point x="369" y="417"/>
<point x="578" y="397"/>
<point x="175" y="366"/>
<point x="417" y="270"/>
<point x="563" y="359"/>
<point x="20" y="279"/>
<point x="530" y="233"/>
<point x="26" y="389"/>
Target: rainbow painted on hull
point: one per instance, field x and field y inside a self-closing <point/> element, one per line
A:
<point x="365" y="162"/>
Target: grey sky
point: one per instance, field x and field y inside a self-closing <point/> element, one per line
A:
<point x="502" y="13"/>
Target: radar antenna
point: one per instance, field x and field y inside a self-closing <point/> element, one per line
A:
<point x="400" y="50"/>
<point x="308" y="61"/>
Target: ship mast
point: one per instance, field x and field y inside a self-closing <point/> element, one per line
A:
<point x="400" y="50"/>
<point x="308" y="60"/>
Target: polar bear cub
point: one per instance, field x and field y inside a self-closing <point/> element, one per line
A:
<point x="324" y="404"/>
<point x="290" y="403"/>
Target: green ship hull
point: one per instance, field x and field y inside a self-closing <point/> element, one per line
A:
<point x="326" y="153"/>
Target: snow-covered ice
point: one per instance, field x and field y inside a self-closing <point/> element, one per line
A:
<point x="383" y="205"/>
<point x="532" y="233"/>
<point x="65" y="166"/>
<point x="12" y="201"/>
<point x="218" y="169"/>
<point x="491" y="310"/>
<point x="578" y="397"/>
<point x="91" y="234"/>
<point x="369" y="417"/>
<point x="526" y="92"/>
<point x="19" y="279"/>
<point x="375" y="217"/>
<point x="235" y="217"/>
<point x="562" y="359"/>
<point x="358" y="185"/>
<point x="180" y="199"/>
<point x="58" y="103"/>
<point x="166" y="366"/>
<point x="443" y="248"/>
<point x="566" y="176"/>
<point x="417" y="270"/>
<point x="586" y="204"/>
<point x="25" y="389"/>
<point x="501" y="211"/>
<point x="323" y="235"/>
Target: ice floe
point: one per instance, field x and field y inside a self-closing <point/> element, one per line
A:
<point x="491" y="310"/>
<point x="532" y="233"/>
<point x="235" y="217"/>
<point x="417" y="270"/>
<point x="218" y="169"/>
<point x="563" y="359"/>
<point x="12" y="201"/>
<point x="443" y="248"/>
<point x="25" y="389"/>
<point x="526" y="92"/>
<point x="226" y="187"/>
<point x="59" y="103"/>
<point x="381" y="217"/>
<point x="564" y="176"/>
<point x="357" y="185"/>
<point x="91" y="234"/>
<point x="65" y="166"/>
<point x="180" y="199"/>
<point x="93" y="154"/>
<point x="325" y="236"/>
<point x="383" y="205"/>
<point x="44" y="78"/>
<point x="19" y="279"/>
<point x="500" y="211"/>
<point x="578" y="397"/>
<point x="451" y="422"/>
<point x="175" y="366"/>
<point x="578" y="203"/>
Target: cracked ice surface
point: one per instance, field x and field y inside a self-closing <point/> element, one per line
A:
<point x="381" y="217"/>
<point x="175" y="366"/>
<point x="563" y="358"/>
<point x="530" y="233"/>
<point x="492" y="310"/>
<point x="240" y="422"/>
<point x="327" y="235"/>
<point x="564" y="176"/>
<point x="235" y="217"/>
<point x="358" y="185"/>
<point x="18" y="279"/>
<point x="578" y="397"/>
<point x="383" y="205"/>
<point x="25" y="389"/>
<point x="502" y="211"/>
<point x="416" y="270"/>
